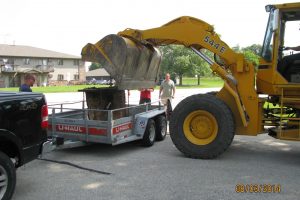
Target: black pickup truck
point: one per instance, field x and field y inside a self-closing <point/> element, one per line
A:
<point x="23" y="131"/>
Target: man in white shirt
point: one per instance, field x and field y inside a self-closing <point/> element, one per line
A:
<point x="167" y="93"/>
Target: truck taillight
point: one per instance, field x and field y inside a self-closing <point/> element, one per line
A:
<point x="44" y="123"/>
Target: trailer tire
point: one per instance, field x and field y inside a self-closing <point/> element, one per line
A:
<point x="202" y="127"/>
<point x="7" y="177"/>
<point x="149" y="135"/>
<point x="161" y="127"/>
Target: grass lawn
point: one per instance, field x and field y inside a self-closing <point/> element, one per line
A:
<point x="204" y="82"/>
<point x="187" y="83"/>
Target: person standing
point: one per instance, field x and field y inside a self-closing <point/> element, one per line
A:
<point x="167" y="93"/>
<point x="29" y="81"/>
<point x="145" y="95"/>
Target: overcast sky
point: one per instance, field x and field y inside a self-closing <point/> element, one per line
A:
<point x="67" y="25"/>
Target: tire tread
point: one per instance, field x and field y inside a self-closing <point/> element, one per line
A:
<point x="194" y="101"/>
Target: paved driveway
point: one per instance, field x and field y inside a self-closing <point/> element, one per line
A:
<point x="161" y="171"/>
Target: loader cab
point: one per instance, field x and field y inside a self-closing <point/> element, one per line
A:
<point x="289" y="60"/>
<point x="283" y="31"/>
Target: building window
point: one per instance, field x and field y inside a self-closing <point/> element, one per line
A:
<point x="11" y="61"/>
<point x="76" y="77"/>
<point x="60" y="62"/>
<point x="26" y="61"/>
<point x="5" y="60"/>
<point x="45" y="61"/>
<point x="60" y="77"/>
<point x="76" y="62"/>
<point x="50" y="62"/>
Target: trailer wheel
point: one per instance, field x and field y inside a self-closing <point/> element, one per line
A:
<point x="202" y="126"/>
<point x="7" y="177"/>
<point x="149" y="135"/>
<point x="161" y="127"/>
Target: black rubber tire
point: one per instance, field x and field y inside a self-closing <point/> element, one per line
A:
<point x="225" y="122"/>
<point x="149" y="135"/>
<point x="161" y="127"/>
<point x="214" y="93"/>
<point x="7" y="170"/>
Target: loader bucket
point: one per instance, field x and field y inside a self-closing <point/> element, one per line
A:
<point x="132" y="65"/>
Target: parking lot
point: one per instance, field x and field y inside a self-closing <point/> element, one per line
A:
<point x="161" y="171"/>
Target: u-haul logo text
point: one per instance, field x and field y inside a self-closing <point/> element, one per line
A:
<point x="121" y="128"/>
<point x="78" y="129"/>
<point x="70" y="128"/>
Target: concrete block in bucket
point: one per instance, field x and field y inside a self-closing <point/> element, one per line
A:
<point x="132" y="65"/>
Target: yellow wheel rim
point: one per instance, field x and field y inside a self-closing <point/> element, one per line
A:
<point x="200" y="127"/>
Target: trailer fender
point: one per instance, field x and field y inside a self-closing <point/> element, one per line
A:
<point x="142" y="121"/>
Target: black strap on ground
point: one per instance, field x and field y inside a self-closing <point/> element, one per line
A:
<point x="73" y="165"/>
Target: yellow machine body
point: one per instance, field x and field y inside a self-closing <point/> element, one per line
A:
<point x="243" y="85"/>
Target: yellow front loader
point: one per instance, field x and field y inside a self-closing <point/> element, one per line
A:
<point x="203" y="125"/>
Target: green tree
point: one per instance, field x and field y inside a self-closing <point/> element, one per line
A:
<point x="176" y="61"/>
<point x="167" y="59"/>
<point x="251" y="57"/>
<point x="200" y="67"/>
<point x="94" y="66"/>
<point x="255" y="48"/>
<point x="181" y="61"/>
<point x="182" y="64"/>
<point x="251" y="53"/>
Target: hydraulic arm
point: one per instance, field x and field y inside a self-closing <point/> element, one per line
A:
<point x="140" y="65"/>
<point x="203" y="125"/>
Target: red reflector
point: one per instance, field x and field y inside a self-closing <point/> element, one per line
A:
<point x="44" y="123"/>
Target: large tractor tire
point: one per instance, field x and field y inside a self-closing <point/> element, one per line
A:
<point x="202" y="126"/>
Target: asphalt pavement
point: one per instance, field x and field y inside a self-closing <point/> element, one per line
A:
<point x="162" y="172"/>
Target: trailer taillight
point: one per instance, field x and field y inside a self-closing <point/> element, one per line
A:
<point x="44" y="123"/>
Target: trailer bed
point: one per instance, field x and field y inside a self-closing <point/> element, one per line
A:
<point x="80" y="125"/>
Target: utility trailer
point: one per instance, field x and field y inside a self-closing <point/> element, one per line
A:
<point x="146" y="122"/>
